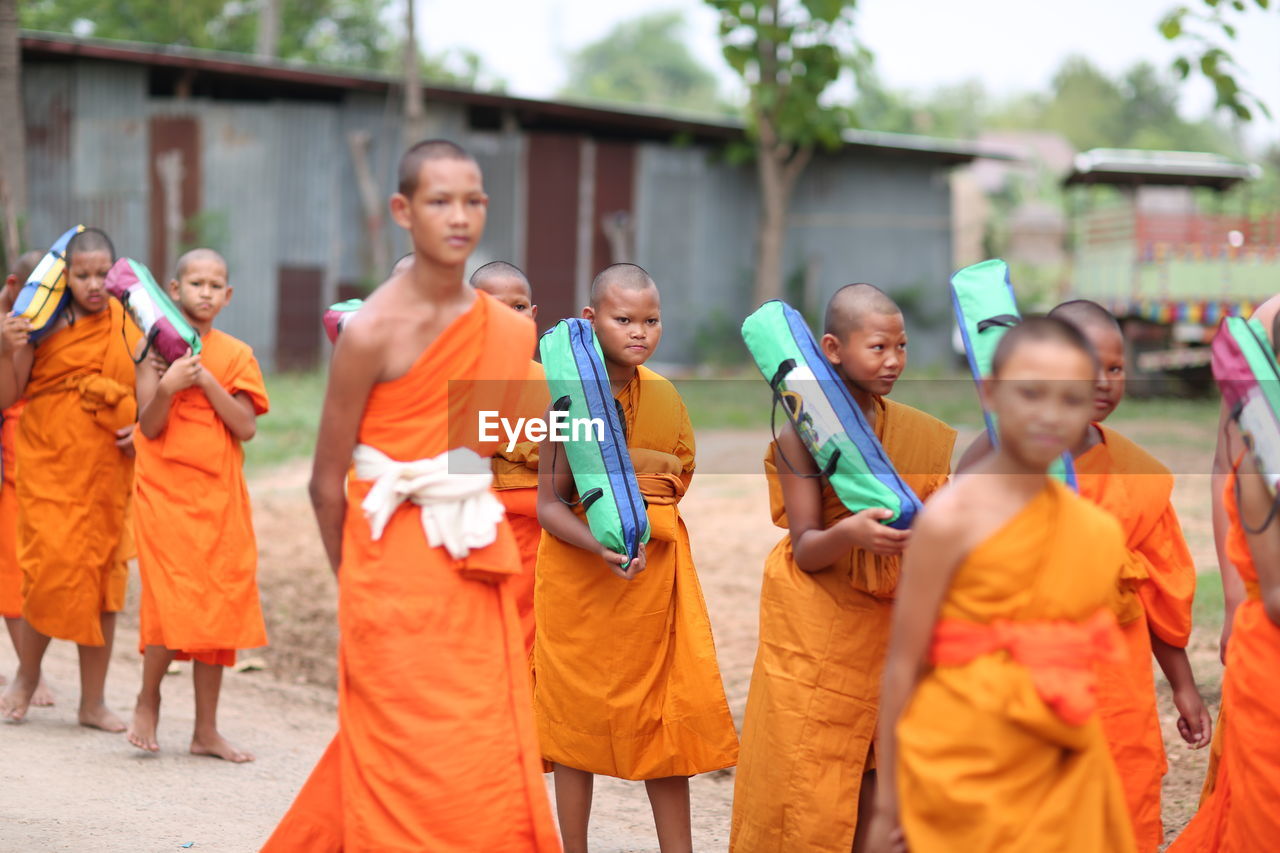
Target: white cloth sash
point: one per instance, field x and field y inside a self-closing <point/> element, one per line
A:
<point x="459" y="512"/>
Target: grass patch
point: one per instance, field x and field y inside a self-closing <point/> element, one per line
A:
<point x="738" y="402"/>
<point x="1207" y="609"/>
<point x="288" y="431"/>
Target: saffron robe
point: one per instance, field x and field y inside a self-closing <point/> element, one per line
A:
<point x="1239" y="814"/>
<point x="74" y="490"/>
<point x="436" y="748"/>
<point x="10" y="571"/>
<point x="626" y="681"/>
<point x="1156" y="588"/>
<point x="192" y="522"/>
<point x="515" y="478"/>
<point x="814" y="699"/>
<point x="1001" y="752"/>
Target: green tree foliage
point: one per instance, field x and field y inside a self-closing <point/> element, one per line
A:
<point x="644" y="61"/>
<point x="789" y="53"/>
<point x="350" y="33"/>
<point x="957" y="110"/>
<point x="333" y="32"/>
<point x="1206" y="29"/>
<point x="1137" y="109"/>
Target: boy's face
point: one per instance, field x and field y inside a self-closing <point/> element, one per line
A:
<point x="87" y="280"/>
<point x="873" y="355"/>
<point x="628" y="324"/>
<point x="202" y="291"/>
<point x="446" y="215"/>
<point x="1108" y="390"/>
<point x="512" y="292"/>
<point x="1043" y="397"/>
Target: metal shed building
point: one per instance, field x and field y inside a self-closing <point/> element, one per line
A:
<point x="166" y="147"/>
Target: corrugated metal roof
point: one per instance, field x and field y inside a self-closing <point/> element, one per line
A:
<point x="630" y="121"/>
<point x="1130" y="166"/>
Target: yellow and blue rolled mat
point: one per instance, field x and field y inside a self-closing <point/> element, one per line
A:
<point x="45" y="293"/>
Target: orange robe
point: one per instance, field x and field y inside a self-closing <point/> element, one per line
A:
<point x="515" y="478"/>
<point x="74" y="491"/>
<point x="1240" y="813"/>
<point x="626" y="681"/>
<point x="814" y="699"/>
<point x="999" y="748"/>
<point x="436" y="747"/>
<point x="1157" y="585"/>
<point x="196" y="550"/>
<point x="10" y="571"/>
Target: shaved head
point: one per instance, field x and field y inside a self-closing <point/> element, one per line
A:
<point x="196" y="255"/>
<point x="851" y="303"/>
<point x="1086" y="315"/>
<point x="1032" y="330"/>
<point x="25" y="265"/>
<point x="428" y="149"/>
<point x="499" y="269"/>
<point x="90" y="240"/>
<point x="625" y="276"/>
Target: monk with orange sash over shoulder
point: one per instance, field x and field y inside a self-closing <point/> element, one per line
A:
<point x="989" y="736"/>
<point x="1157" y="586"/>
<point x="806" y="778"/>
<point x="75" y="457"/>
<point x="515" y="469"/>
<point x="626" y="681"/>
<point x="436" y="746"/>
<point x="1239" y="812"/>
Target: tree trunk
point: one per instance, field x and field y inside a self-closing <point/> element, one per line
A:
<point x="13" y="166"/>
<point x="269" y="29"/>
<point x="779" y="167"/>
<point x="376" y="263"/>
<point x="414" y="124"/>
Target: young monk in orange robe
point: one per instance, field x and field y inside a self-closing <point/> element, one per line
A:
<point x="75" y="455"/>
<point x="433" y="702"/>
<point x="989" y="738"/>
<point x="806" y="775"/>
<point x="1238" y="812"/>
<point x="194" y="528"/>
<point x="1157" y="587"/>
<point x="10" y="571"/>
<point x="625" y="676"/>
<point x="515" y="471"/>
<point x="1233" y="592"/>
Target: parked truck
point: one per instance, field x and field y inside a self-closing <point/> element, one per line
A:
<point x="1169" y="251"/>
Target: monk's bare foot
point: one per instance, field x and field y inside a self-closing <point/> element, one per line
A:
<point x="101" y="718"/>
<point x="217" y="746"/>
<point x="43" y="697"/>
<point x="142" y="731"/>
<point x="16" y="700"/>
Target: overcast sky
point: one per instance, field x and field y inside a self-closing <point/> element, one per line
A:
<point x="1010" y="45"/>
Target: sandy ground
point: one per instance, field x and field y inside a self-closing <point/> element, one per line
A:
<point x="68" y="788"/>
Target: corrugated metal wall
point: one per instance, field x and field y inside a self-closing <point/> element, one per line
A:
<point x="884" y="220"/>
<point x="49" y="102"/>
<point x="854" y="218"/>
<point x="278" y="189"/>
<point x="500" y="156"/>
